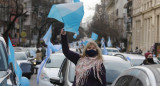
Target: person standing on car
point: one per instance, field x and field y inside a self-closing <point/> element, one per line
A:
<point x="38" y="56"/>
<point x="149" y="59"/>
<point x="89" y="70"/>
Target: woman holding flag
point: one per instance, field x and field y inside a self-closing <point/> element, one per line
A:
<point x="89" y="70"/>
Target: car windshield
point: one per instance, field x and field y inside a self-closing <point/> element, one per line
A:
<point x="3" y="58"/>
<point x="20" y="56"/>
<point x="113" y="70"/>
<point x="55" y="61"/>
<point x="3" y="73"/>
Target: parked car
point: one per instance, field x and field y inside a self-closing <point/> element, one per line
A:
<point x="111" y="50"/>
<point x="114" y="66"/>
<point x="135" y="59"/>
<point x="148" y="75"/>
<point x="24" y="63"/>
<point x="51" y="69"/>
<point x="5" y="72"/>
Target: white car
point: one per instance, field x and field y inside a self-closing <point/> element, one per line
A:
<point x="148" y="75"/>
<point x="51" y="69"/>
<point x="113" y="64"/>
<point x="135" y="59"/>
<point x="111" y="50"/>
<point x="24" y="63"/>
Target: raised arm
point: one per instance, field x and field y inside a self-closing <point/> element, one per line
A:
<point x="72" y="56"/>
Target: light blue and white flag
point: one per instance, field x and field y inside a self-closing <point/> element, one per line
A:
<point x="11" y="59"/>
<point x="102" y="42"/>
<point x="85" y="42"/>
<point x="109" y="44"/>
<point x="76" y="0"/>
<point x="70" y="14"/>
<point x="104" y="52"/>
<point x="55" y="48"/>
<point x="48" y="35"/>
<point x="75" y="36"/>
<point x="50" y="47"/>
<point x="42" y="64"/>
<point x="94" y="36"/>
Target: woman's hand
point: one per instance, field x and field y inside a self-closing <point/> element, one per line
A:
<point x="63" y="32"/>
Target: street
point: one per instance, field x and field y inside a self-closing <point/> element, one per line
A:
<point x="33" y="80"/>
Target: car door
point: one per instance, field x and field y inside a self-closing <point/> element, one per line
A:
<point x="133" y="77"/>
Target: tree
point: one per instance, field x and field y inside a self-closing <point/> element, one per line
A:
<point x="15" y="11"/>
<point x="104" y="25"/>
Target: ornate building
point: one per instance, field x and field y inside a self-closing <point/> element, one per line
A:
<point x="146" y="24"/>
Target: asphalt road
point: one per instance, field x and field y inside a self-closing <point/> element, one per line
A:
<point x="33" y="80"/>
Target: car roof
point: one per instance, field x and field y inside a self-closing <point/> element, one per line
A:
<point x="111" y="48"/>
<point x="132" y="56"/>
<point x="112" y="58"/>
<point x="155" y="69"/>
<point x="20" y="52"/>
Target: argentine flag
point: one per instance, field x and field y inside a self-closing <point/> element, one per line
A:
<point x="70" y="14"/>
<point x="109" y="44"/>
<point x="94" y="36"/>
<point x="11" y="59"/>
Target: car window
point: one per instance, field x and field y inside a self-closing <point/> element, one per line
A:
<point x="113" y="70"/>
<point x="129" y="81"/>
<point x="55" y="61"/>
<point x="3" y="58"/>
<point x="136" y="62"/>
<point x="115" y="51"/>
<point x="20" y="56"/>
<point x="3" y="73"/>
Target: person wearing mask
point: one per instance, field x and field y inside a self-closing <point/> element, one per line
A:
<point x="89" y="70"/>
<point x="149" y="59"/>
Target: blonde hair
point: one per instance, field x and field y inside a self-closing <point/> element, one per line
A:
<point x="97" y="48"/>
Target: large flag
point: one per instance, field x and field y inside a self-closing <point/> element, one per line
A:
<point x="50" y="46"/>
<point x="94" y="36"/>
<point x="42" y="64"/>
<point x="109" y="44"/>
<point x="70" y="14"/>
<point x="11" y="59"/>
<point x="76" y="0"/>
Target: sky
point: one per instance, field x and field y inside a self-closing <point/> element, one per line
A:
<point x="89" y="9"/>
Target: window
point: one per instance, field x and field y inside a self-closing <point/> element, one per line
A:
<point x="129" y="81"/>
<point x="55" y="61"/>
<point x="3" y="58"/>
<point x="117" y="12"/>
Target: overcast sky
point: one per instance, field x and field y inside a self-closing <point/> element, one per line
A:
<point x="89" y="8"/>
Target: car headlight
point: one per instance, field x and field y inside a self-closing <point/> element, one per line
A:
<point x="34" y="63"/>
<point x="44" y="77"/>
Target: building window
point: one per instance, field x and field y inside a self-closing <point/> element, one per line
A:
<point x="117" y="12"/>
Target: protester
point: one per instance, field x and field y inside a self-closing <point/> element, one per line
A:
<point x="38" y="56"/>
<point x="149" y="59"/>
<point x="89" y="70"/>
<point x="43" y="52"/>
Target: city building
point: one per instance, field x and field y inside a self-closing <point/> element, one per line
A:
<point x="146" y="24"/>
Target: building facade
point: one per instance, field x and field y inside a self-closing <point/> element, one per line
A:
<point x="146" y="24"/>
